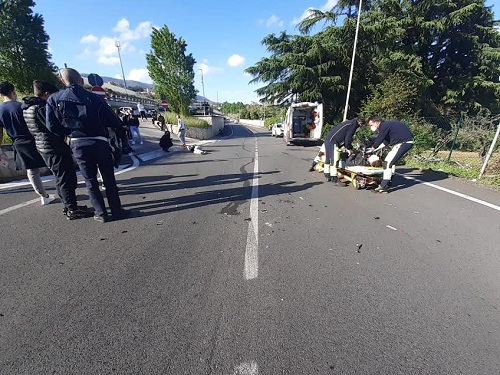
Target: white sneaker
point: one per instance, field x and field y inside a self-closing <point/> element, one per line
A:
<point x="47" y="200"/>
<point x="142" y="142"/>
<point x="132" y="143"/>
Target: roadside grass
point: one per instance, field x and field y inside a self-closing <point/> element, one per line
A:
<point x="462" y="164"/>
<point x="189" y="121"/>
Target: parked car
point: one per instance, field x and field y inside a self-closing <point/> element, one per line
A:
<point x="277" y="130"/>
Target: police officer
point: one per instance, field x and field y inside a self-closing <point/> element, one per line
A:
<point x="84" y="117"/>
<point x="340" y="135"/>
<point x="390" y="133"/>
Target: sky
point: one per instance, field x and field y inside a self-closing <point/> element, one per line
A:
<point x="224" y="36"/>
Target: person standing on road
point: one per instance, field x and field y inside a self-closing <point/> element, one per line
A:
<point x="340" y="135"/>
<point x="390" y="133"/>
<point x="85" y="117"/>
<point x="182" y="131"/>
<point x="54" y="151"/>
<point x="133" y="124"/>
<point x="26" y="155"/>
<point x="142" y="111"/>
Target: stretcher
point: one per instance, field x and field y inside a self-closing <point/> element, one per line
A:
<point x="361" y="176"/>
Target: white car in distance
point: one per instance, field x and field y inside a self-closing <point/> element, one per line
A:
<point x="277" y="130"/>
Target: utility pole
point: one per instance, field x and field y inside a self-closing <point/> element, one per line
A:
<point x="352" y="61"/>
<point x="203" y="87"/>
<point x="117" y="45"/>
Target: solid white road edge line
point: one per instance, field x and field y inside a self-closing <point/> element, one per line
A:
<point x="134" y="165"/>
<point x="449" y="191"/>
<point x="252" y="249"/>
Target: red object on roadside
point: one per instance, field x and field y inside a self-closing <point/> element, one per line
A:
<point x="98" y="90"/>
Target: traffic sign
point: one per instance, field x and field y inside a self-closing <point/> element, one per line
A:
<point x="164" y="103"/>
<point x="99" y="91"/>
<point x="95" y="79"/>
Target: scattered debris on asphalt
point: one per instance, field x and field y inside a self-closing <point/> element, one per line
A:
<point x="359" y="246"/>
<point x="391" y="227"/>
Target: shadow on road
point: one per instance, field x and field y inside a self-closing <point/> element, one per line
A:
<point x="142" y="186"/>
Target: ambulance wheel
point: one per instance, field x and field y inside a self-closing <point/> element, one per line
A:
<point x="355" y="184"/>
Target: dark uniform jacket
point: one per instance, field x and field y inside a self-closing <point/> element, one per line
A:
<point x="391" y="133"/>
<point x="79" y="113"/>
<point x="343" y="133"/>
<point x="34" y="115"/>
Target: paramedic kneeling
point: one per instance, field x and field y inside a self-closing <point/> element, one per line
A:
<point x="390" y="133"/>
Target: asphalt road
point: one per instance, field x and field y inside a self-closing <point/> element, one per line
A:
<point x="241" y="262"/>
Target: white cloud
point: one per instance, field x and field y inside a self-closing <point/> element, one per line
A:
<point x="246" y="74"/>
<point x="104" y="48"/>
<point x="140" y="75"/>
<point x="105" y="60"/>
<point x="88" y="39"/>
<point x="274" y="21"/>
<point x="328" y="6"/>
<point x="207" y="69"/>
<point x="235" y="60"/>
<point x="125" y="33"/>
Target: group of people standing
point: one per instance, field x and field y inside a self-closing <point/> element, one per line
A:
<point x="51" y="128"/>
<point x="392" y="134"/>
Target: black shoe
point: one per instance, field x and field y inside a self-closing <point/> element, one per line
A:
<point x="311" y="169"/>
<point x="101" y="218"/>
<point x="78" y="214"/>
<point x="65" y="209"/>
<point x="328" y="179"/>
<point x="380" y="189"/>
<point x="339" y="183"/>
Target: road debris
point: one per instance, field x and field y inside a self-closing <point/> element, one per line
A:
<point x="359" y="246"/>
<point x="391" y="227"/>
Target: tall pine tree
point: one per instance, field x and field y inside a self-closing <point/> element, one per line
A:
<point x="24" y="54"/>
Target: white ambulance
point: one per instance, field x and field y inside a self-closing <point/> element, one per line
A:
<point x="303" y="122"/>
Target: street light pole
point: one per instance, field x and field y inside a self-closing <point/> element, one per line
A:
<point x="203" y="87"/>
<point x="117" y="45"/>
<point x="352" y="61"/>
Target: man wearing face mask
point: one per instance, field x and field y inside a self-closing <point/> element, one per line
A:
<point x="390" y="133"/>
<point x="340" y="135"/>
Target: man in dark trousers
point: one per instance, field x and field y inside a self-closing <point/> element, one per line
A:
<point x="85" y="117"/>
<point x="26" y="155"/>
<point x="340" y="135"/>
<point x="54" y="151"/>
<point x="390" y="133"/>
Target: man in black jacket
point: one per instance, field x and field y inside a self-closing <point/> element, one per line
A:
<point x="390" y="133"/>
<point x="340" y="135"/>
<point x="84" y="117"/>
<point x="54" y="151"/>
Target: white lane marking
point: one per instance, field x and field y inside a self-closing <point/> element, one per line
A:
<point x="20" y="205"/>
<point x="252" y="249"/>
<point x="135" y="164"/>
<point x="247" y="368"/>
<point x="453" y="192"/>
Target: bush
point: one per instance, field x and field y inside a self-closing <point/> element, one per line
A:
<point x="193" y="122"/>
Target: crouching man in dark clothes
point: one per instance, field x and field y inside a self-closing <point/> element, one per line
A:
<point x="84" y="117"/>
<point x="54" y="151"/>
<point x="390" y="133"/>
<point x="166" y="141"/>
<point x="340" y="135"/>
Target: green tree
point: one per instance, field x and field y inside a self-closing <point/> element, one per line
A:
<point x="24" y="54"/>
<point x="171" y="69"/>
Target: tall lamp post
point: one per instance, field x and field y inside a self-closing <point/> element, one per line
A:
<point x="352" y="61"/>
<point x="117" y="45"/>
<point x="203" y="87"/>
